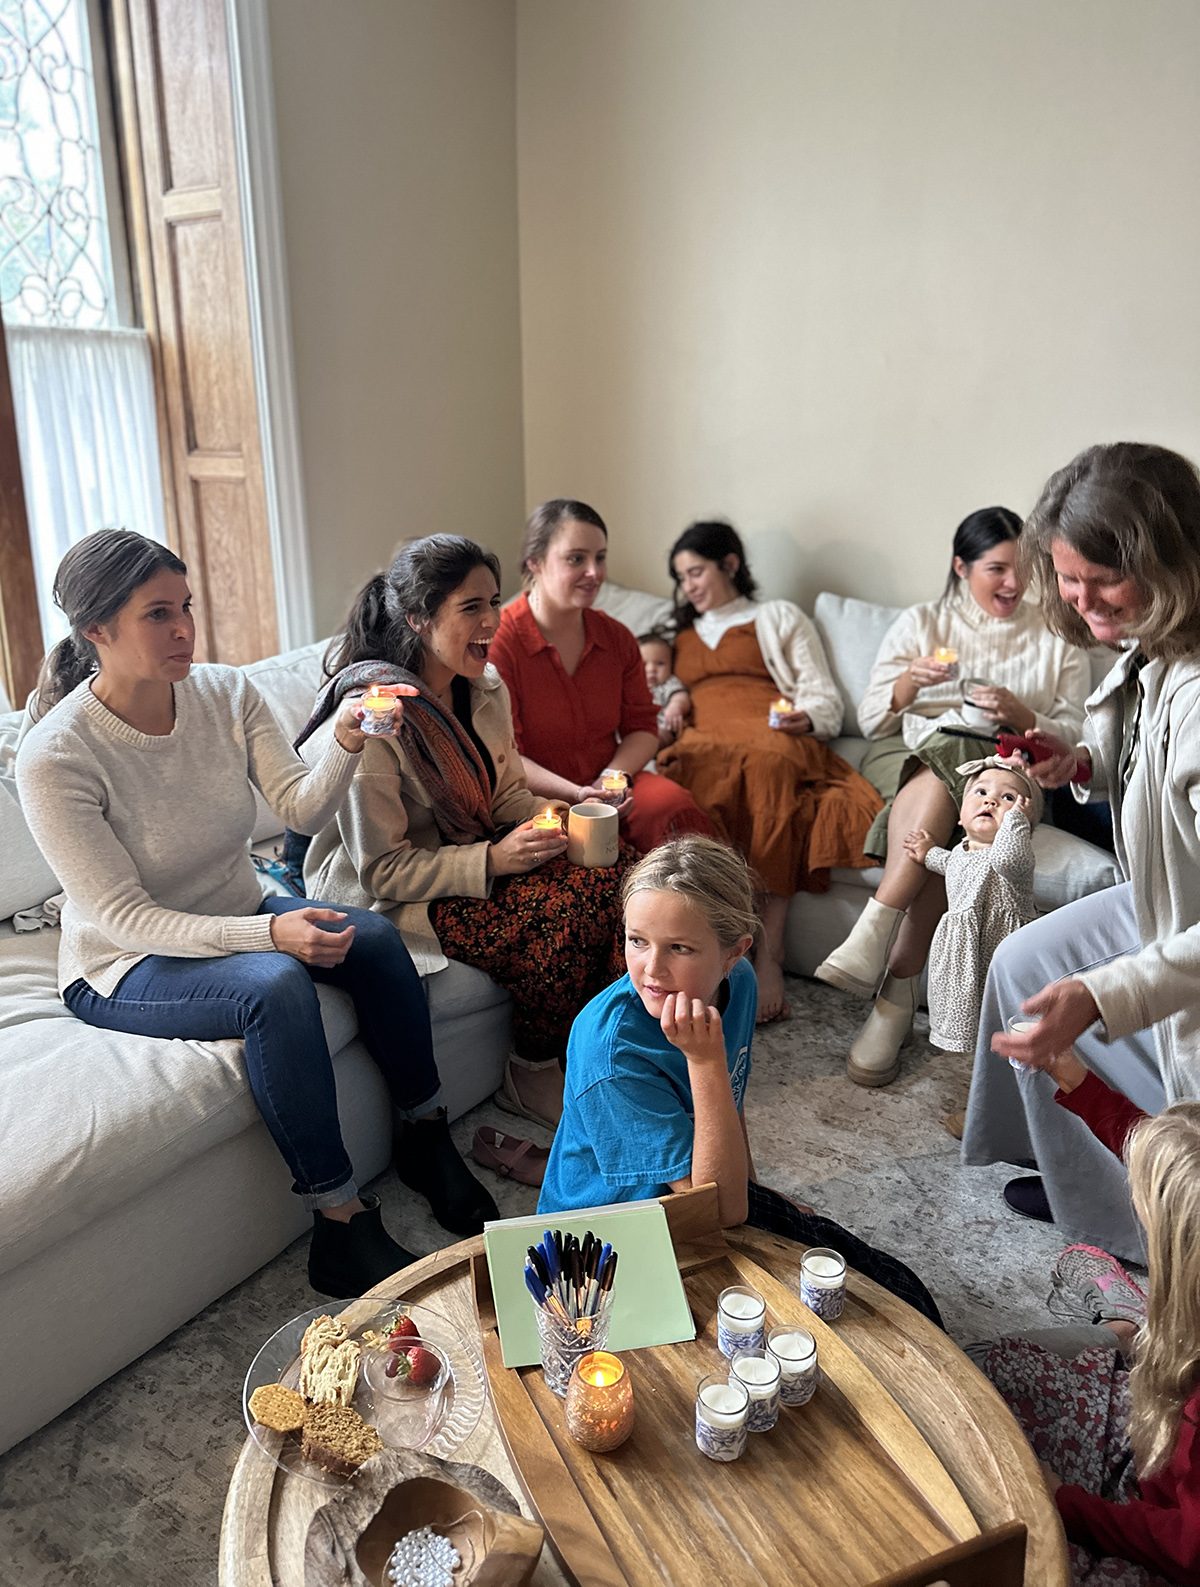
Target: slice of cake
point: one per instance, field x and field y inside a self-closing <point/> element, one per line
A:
<point x="337" y="1438"/>
<point x="278" y="1408"/>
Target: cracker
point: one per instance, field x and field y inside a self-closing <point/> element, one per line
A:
<point x="278" y="1408"/>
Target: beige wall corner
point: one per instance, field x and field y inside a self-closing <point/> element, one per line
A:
<point x="397" y="149"/>
<point x="846" y="272"/>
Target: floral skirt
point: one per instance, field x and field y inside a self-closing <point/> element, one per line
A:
<point x="1075" y="1413"/>
<point x="551" y="938"/>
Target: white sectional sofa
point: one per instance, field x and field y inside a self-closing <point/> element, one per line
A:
<point x="137" y="1183"/>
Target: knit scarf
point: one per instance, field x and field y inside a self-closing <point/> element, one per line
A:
<point x="438" y="747"/>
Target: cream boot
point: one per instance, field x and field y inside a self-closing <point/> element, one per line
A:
<point x="858" y="965"/>
<point x="874" y="1059"/>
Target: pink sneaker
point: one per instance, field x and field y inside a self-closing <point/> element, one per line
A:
<point x="1087" y="1281"/>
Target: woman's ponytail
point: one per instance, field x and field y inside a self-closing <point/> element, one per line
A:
<point x="365" y="635"/>
<point x="94" y="581"/>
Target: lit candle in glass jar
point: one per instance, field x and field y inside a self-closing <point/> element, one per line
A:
<point x="823" y="1282"/>
<point x="779" y="709"/>
<point x="379" y="712"/>
<point x="614" y="784"/>
<point x="599" y="1409"/>
<point x="948" y="657"/>
<point x="548" y="821"/>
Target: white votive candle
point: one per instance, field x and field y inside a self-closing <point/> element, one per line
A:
<point x="741" y="1319"/>
<point x="796" y="1352"/>
<point x="1017" y="1026"/>
<point x="759" y="1371"/>
<point x="823" y="1282"/>
<point x="721" y="1410"/>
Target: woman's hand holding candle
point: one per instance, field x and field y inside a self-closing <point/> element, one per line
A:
<point x="795" y="723"/>
<point x="1067" y="1009"/>
<point x="367" y="715"/>
<point x="525" y="848"/>
<point x="928" y="671"/>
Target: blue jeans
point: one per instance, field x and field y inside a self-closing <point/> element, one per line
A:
<point x="270" y="1001"/>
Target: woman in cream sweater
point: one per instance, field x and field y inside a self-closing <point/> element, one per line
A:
<point x="1036" y="681"/>
<point x="137" y="783"/>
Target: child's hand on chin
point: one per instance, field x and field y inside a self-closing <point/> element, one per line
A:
<point x="694" y="1027"/>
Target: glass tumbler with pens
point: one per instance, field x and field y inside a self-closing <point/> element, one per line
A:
<point x="571" y="1282"/>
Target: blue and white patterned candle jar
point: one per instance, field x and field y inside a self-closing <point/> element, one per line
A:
<point x="796" y="1352"/>
<point x="721" y="1410"/>
<point x="741" y="1319"/>
<point x="759" y="1371"/>
<point x="823" y="1282"/>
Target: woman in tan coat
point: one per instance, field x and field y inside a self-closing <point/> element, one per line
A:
<point x="436" y="831"/>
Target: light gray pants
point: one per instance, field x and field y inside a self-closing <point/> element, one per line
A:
<point x="1012" y="1113"/>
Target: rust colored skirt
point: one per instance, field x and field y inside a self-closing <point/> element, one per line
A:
<point x="551" y="938"/>
<point x="790" y="805"/>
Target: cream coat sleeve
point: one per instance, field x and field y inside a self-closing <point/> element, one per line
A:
<point x="796" y="660"/>
<point x="374" y="822"/>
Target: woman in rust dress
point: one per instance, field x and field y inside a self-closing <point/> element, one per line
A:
<point x="778" y="794"/>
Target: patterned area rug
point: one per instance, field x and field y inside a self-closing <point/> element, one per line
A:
<point x="126" y="1488"/>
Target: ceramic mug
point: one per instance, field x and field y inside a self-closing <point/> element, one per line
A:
<point x="592" y="835"/>
<point x="974" y="715"/>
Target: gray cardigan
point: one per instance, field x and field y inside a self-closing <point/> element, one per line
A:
<point x="1156" y="821"/>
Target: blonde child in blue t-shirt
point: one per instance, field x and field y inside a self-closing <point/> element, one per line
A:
<point x="657" y="1063"/>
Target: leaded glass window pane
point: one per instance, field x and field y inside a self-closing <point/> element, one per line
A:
<point x="55" y="255"/>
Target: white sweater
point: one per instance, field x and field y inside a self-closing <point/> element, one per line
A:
<point x="149" y="835"/>
<point x="1050" y="676"/>
<point x="792" y="651"/>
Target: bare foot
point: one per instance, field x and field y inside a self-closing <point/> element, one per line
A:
<point x="772" y="1004"/>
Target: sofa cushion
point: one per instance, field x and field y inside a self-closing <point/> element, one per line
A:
<point x="25" y="878"/>
<point x="852" y="632"/>
<point x="637" y="609"/>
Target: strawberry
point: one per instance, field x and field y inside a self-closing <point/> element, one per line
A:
<point x="403" y="1328"/>
<point x="423" y="1365"/>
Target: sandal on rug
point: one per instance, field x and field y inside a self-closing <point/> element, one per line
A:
<point x="509" y="1155"/>
<point x="543" y="1084"/>
<point x="1087" y="1281"/>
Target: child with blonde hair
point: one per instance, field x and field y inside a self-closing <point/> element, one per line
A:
<point x="1132" y="1522"/>
<point x="657" y="1063"/>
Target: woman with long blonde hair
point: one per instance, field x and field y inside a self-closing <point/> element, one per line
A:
<point x="1132" y="1522"/>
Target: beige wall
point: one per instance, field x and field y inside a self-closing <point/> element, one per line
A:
<point x="397" y="147"/>
<point x="846" y="271"/>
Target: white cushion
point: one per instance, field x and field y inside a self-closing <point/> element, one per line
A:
<point x="637" y="609"/>
<point x="25" y="878"/>
<point x="289" y="684"/>
<point x="852" y="632"/>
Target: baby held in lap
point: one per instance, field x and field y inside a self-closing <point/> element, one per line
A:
<point x="672" y="699"/>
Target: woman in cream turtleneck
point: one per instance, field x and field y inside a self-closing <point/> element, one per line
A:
<point x="1037" y="681"/>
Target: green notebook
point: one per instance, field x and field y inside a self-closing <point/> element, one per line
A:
<point x="649" y="1305"/>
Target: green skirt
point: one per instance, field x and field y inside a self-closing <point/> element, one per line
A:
<point x="889" y="763"/>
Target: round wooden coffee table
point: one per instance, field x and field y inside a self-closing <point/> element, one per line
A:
<point x="954" y="1408"/>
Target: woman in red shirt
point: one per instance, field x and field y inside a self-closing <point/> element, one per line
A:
<point x="1081" y="1413"/>
<point x="580" y="702"/>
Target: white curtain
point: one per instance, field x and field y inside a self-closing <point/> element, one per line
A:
<point x="88" y="435"/>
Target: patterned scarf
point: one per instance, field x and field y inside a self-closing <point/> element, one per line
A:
<point x="438" y="747"/>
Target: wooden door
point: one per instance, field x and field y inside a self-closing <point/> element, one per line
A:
<point x="20" y="624"/>
<point x="176" y="114"/>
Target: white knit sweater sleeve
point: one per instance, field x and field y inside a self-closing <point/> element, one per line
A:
<point x="796" y="660"/>
<point x="63" y="798"/>
<point x="902" y="643"/>
<point x="1072" y="687"/>
<point x="304" y="796"/>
